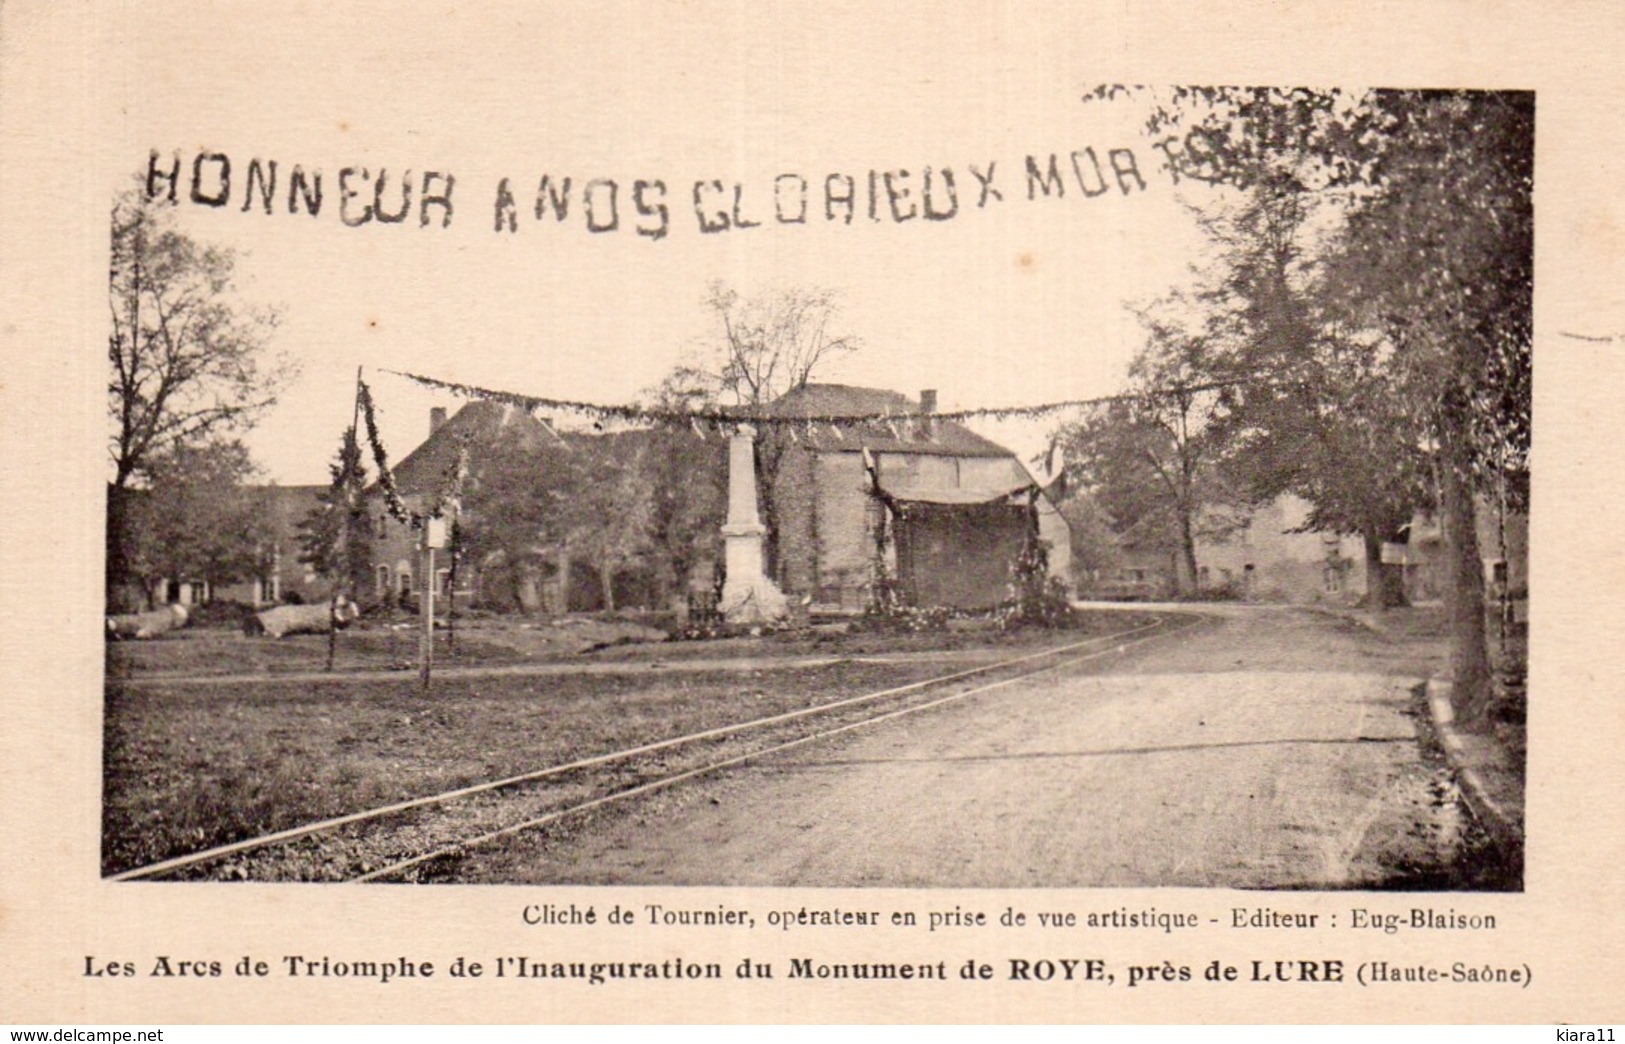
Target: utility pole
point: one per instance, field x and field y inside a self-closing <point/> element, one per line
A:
<point x="434" y="535"/>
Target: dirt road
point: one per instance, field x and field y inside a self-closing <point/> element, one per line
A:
<point x="1265" y="748"/>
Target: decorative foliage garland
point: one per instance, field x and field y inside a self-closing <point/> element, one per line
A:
<point x="386" y="478"/>
<point x="1035" y="598"/>
<point x="725" y="418"/>
<point x="699" y="420"/>
<point x="446" y="500"/>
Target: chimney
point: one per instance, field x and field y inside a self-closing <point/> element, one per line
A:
<point x="437" y="417"/>
<point x="928" y="404"/>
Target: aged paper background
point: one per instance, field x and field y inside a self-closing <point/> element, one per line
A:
<point x="738" y="89"/>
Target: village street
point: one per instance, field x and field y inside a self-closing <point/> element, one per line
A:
<point x="1267" y="747"/>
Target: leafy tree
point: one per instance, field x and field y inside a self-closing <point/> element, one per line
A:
<point x="1437" y="257"/>
<point x="766" y="346"/>
<point x="1323" y="420"/>
<point x="1154" y="461"/>
<point x="1094" y="542"/>
<point x="533" y="494"/>
<point x="514" y="512"/>
<point x="1442" y="260"/>
<point x="611" y="518"/>
<point x="197" y="518"/>
<point x="336" y="538"/>
<point x="687" y="480"/>
<point x="188" y="362"/>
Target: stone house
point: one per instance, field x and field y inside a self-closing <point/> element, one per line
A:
<point x="554" y="578"/>
<point x="943" y="508"/>
<point x="419" y="477"/>
<point x="1503" y="547"/>
<point x="952" y="509"/>
<point x="1270" y="560"/>
<point x="286" y="579"/>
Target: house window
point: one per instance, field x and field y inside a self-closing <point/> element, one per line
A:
<point x="405" y="579"/>
<point x="1136" y="575"/>
<point x="382" y="586"/>
<point x="1333" y="579"/>
<point x="442" y="581"/>
<point x="1202" y="575"/>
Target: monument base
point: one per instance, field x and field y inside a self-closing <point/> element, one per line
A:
<point x="749" y="598"/>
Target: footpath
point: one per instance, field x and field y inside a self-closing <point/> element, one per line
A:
<point x="1488" y="762"/>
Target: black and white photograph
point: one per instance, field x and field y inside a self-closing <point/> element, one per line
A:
<point x="678" y="511"/>
<point x="1214" y="573"/>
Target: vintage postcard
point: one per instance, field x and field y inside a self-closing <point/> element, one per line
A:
<point x="690" y="512"/>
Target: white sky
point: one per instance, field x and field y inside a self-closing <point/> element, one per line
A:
<point x="1018" y="304"/>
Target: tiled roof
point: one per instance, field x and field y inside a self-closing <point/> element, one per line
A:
<point x="480" y="422"/>
<point x="485" y="422"/>
<point x="939" y="437"/>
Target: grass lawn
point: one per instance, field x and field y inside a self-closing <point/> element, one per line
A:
<point x="498" y="641"/>
<point x="190" y="766"/>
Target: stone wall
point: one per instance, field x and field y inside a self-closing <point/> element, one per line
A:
<point x="795" y="510"/>
<point x="1286" y="566"/>
<point x="843" y="518"/>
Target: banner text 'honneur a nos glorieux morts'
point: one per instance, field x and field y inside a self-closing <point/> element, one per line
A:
<point x="653" y="207"/>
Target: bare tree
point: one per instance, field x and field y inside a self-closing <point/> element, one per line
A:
<point x="769" y="345"/>
<point x="188" y="362"/>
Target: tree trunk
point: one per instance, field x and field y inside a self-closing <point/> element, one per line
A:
<point x="332" y="631"/>
<point x="118" y="576"/>
<point x="451" y="603"/>
<point x="1464" y="584"/>
<point x="1185" y="562"/>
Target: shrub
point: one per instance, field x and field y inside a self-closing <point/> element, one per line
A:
<point x="1036" y="599"/>
<point x="224" y="615"/>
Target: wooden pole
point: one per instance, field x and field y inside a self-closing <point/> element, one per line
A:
<point x="426" y="611"/>
<point x="346" y="582"/>
<point x="451" y="590"/>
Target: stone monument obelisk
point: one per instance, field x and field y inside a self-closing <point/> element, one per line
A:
<point x="748" y="596"/>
